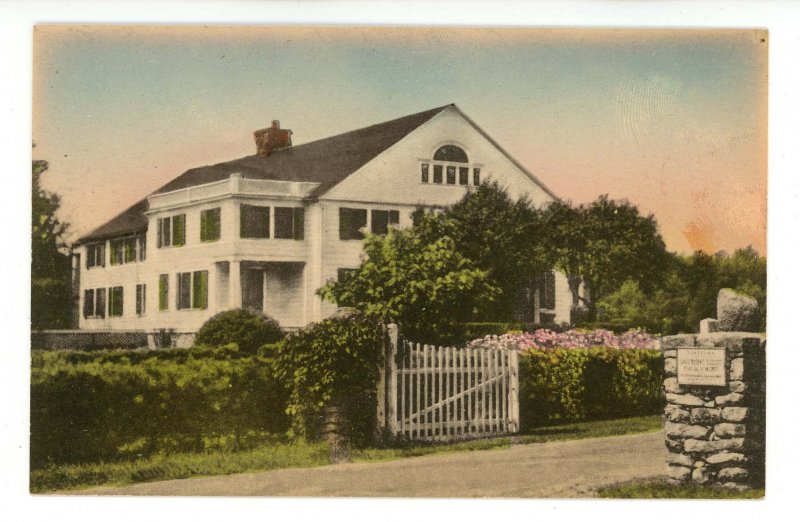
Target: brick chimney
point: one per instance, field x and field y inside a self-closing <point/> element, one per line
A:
<point x="272" y="138"/>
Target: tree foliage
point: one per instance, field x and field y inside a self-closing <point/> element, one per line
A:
<point x="506" y="238"/>
<point x="50" y="266"/>
<point x="687" y="293"/>
<point x="603" y="244"/>
<point x="427" y="286"/>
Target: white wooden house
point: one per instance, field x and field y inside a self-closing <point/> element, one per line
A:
<point x="266" y="231"/>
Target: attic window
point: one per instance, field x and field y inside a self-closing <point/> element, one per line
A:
<point x="451" y="153"/>
<point x="450" y="166"/>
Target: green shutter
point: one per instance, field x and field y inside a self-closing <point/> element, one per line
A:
<point x="163" y="291"/>
<point x="216" y="223"/>
<point x="200" y="289"/>
<point x="179" y="230"/>
<point x="204" y="225"/>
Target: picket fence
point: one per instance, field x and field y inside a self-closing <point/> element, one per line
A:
<point x="446" y="393"/>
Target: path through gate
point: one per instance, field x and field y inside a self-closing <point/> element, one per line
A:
<point x="445" y="393"/>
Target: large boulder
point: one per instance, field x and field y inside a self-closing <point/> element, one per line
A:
<point x="737" y="312"/>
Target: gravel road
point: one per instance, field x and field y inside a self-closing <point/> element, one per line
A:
<point x="554" y="469"/>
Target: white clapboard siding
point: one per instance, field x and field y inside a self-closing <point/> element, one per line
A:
<point x="447" y="393"/>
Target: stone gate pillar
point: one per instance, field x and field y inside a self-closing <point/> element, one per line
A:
<point x="714" y="420"/>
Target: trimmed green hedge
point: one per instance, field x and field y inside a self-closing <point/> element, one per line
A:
<point x="88" y="407"/>
<point x="578" y="384"/>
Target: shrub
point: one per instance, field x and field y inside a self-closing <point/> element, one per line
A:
<point x="87" y="407"/>
<point x="577" y="384"/>
<point x="335" y="361"/>
<point x="248" y="329"/>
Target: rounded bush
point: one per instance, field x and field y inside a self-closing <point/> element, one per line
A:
<point x="249" y="330"/>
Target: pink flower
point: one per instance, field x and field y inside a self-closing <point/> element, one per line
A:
<point x="548" y="339"/>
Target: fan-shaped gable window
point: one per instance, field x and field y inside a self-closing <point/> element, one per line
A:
<point x="451" y="153"/>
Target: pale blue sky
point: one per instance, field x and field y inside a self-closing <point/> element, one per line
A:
<point x="673" y="121"/>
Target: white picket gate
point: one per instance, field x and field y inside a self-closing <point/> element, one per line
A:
<point x="445" y="393"/>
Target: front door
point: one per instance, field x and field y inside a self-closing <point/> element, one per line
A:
<point x="253" y="289"/>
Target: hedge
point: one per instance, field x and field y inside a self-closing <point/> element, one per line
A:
<point x="89" y="407"/>
<point x="579" y="384"/>
<point x="334" y="362"/>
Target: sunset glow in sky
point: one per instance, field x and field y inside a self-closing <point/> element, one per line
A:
<point x="674" y="121"/>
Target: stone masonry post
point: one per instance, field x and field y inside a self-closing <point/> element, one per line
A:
<point x="715" y="414"/>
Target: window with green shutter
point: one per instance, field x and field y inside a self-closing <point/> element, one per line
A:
<point x="210" y="224"/>
<point x="183" y="290"/>
<point x="163" y="292"/>
<point x="171" y="231"/>
<point x="192" y="290"/>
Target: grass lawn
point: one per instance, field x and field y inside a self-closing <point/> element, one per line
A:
<point x="302" y="454"/>
<point x="661" y="489"/>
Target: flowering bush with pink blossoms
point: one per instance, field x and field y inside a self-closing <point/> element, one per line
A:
<point x="548" y="339"/>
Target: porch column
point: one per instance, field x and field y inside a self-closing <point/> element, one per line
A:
<point x="235" y="288"/>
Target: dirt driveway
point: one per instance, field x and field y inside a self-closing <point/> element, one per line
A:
<point x="555" y="469"/>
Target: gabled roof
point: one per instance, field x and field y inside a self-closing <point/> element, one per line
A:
<point x="327" y="161"/>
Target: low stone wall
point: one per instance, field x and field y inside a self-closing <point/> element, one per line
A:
<point x="715" y="433"/>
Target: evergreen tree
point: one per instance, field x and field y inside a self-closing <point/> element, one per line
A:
<point x="50" y="266"/>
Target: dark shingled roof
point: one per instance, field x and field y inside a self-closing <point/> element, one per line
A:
<point x="327" y="161"/>
<point x="130" y="221"/>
